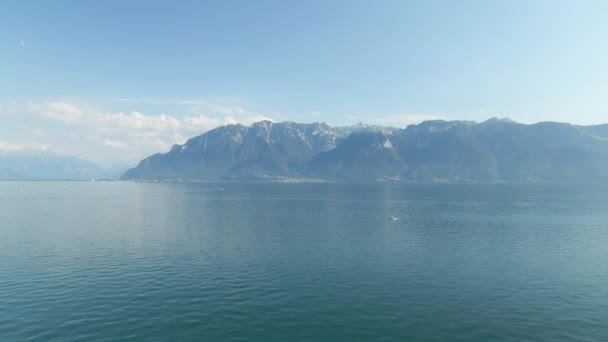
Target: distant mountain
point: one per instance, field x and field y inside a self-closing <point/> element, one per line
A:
<point x="114" y="172"/>
<point x="48" y="165"/>
<point x="263" y="150"/>
<point x="7" y="175"/>
<point x="362" y="155"/>
<point x="494" y="150"/>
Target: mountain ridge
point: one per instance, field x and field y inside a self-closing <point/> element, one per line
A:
<point x="48" y="165"/>
<point x="494" y="150"/>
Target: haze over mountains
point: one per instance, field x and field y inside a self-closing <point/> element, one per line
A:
<point x="47" y="165"/>
<point x="494" y="150"/>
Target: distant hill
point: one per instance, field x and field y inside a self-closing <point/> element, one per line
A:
<point x="7" y="175"/>
<point x="494" y="150"/>
<point x="45" y="165"/>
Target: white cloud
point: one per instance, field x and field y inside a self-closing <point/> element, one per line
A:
<point x="84" y="129"/>
<point x="9" y="147"/>
<point x="195" y="106"/>
<point x="403" y="120"/>
<point x="6" y="146"/>
<point x="59" y="111"/>
<point x="115" y="143"/>
<point x="227" y="110"/>
<point x="37" y="132"/>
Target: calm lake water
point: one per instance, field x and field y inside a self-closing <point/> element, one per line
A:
<point x="112" y="261"/>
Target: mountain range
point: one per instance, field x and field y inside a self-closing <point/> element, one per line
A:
<point x="492" y="151"/>
<point x="47" y="165"/>
<point x="7" y="175"/>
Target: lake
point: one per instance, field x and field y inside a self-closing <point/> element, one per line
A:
<point x="126" y="261"/>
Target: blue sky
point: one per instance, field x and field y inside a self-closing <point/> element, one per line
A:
<point x="122" y="79"/>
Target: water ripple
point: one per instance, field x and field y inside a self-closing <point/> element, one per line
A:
<point x="293" y="262"/>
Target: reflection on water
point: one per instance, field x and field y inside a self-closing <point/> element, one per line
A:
<point x="302" y="262"/>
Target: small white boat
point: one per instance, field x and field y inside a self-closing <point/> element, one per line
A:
<point x="393" y="218"/>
